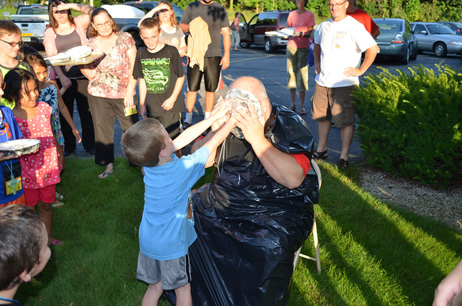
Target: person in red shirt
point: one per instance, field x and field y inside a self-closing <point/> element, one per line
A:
<point x="362" y="17"/>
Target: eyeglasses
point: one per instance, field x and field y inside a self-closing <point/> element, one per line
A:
<point x="103" y="25"/>
<point x="163" y="11"/>
<point x="338" y="5"/>
<point x="61" y="12"/>
<point x="14" y="43"/>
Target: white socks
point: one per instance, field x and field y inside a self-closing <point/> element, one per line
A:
<point x="207" y="114"/>
<point x="188" y="118"/>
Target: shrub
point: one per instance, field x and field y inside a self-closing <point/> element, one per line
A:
<point x="411" y="124"/>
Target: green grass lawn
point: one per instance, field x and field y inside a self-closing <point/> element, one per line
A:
<point x="372" y="253"/>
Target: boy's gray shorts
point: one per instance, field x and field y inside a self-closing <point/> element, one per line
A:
<point x="172" y="274"/>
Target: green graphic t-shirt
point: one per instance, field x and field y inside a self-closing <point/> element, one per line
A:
<point x="160" y="71"/>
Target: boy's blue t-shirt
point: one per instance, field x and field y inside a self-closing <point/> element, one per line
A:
<point x="165" y="230"/>
<point x="10" y="131"/>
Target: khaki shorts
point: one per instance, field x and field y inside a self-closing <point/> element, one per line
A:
<point x="333" y="104"/>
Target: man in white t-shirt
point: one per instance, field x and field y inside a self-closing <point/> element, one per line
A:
<point x="337" y="52"/>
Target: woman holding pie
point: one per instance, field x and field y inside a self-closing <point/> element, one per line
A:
<point x="66" y="32"/>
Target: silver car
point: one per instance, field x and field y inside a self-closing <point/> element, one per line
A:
<point x="437" y="38"/>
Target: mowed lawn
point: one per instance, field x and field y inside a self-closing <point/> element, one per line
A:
<point x="372" y="253"/>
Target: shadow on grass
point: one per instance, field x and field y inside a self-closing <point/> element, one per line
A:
<point x="401" y="243"/>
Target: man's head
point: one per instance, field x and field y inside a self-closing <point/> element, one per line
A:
<point x="149" y="32"/>
<point x="24" y="245"/>
<point x="255" y="87"/>
<point x="143" y="142"/>
<point x="351" y="6"/>
<point x="338" y="9"/>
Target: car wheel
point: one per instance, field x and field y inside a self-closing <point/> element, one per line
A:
<point x="268" y="47"/>
<point x="405" y="59"/>
<point x="414" y="52"/>
<point x="244" y="44"/>
<point x="440" y="49"/>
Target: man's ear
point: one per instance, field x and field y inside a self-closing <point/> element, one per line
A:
<point x="25" y="276"/>
<point x="265" y="108"/>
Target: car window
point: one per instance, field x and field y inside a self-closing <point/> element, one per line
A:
<point x="34" y="11"/>
<point x="267" y="20"/>
<point x="407" y="26"/>
<point x="439" y="29"/>
<point x="419" y="29"/>
<point x="284" y="20"/>
<point x="390" y="25"/>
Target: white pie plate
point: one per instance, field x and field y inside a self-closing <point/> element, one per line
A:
<point x="19" y="147"/>
<point x="78" y="52"/>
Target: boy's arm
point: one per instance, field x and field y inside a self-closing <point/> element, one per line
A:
<point x="197" y="129"/>
<point x="168" y="104"/>
<point x="143" y="91"/>
<point x="215" y="138"/>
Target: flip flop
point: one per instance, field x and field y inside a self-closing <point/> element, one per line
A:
<point x="57" y="242"/>
<point x="57" y="205"/>
<point x="302" y="111"/>
<point x="59" y="197"/>
<point x="105" y="174"/>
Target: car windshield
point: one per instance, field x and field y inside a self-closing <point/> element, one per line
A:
<point x="389" y="25"/>
<point x="439" y="29"/>
<point x="34" y="11"/>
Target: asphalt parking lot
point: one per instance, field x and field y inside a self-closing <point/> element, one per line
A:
<point x="271" y="70"/>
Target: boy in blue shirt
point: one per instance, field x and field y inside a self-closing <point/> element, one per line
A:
<point x="165" y="232"/>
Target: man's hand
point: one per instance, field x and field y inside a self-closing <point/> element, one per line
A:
<point x="352" y="72"/>
<point x="224" y="62"/>
<point x="250" y="125"/>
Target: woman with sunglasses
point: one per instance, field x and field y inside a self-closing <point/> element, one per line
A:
<point x="66" y="32"/>
<point x="171" y="33"/>
<point x="108" y="81"/>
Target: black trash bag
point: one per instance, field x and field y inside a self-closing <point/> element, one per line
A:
<point x="248" y="225"/>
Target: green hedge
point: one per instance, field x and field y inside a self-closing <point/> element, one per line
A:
<point x="410" y="124"/>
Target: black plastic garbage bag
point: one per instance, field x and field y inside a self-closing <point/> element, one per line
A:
<point x="248" y="225"/>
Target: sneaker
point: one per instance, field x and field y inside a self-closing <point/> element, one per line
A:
<point x="342" y="164"/>
<point x="320" y="155"/>
<point x="186" y="125"/>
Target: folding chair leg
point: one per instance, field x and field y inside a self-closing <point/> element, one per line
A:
<point x="316" y="248"/>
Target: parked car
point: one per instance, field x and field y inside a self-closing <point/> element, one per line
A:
<point x="253" y="32"/>
<point x="396" y="39"/>
<point x="33" y="21"/>
<point x="455" y="26"/>
<point x="436" y="37"/>
<point x="146" y="6"/>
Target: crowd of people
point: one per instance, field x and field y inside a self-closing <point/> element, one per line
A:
<point x="257" y="211"/>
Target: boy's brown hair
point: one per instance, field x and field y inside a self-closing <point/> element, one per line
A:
<point x="20" y="242"/>
<point x="143" y="141"/>
<point x="150" y="23"/>
<point x="8" y="27"/>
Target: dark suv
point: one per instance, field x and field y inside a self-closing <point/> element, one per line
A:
<point x="253" y="32"/>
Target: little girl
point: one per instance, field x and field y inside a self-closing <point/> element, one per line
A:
<point x="40" y="170"/>
<point x="50" y="94"/>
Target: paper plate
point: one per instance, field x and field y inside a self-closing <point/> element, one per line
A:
<point x="19" y="147"/>
<point x="58" y="58"/>
<point x="78" y="52"/>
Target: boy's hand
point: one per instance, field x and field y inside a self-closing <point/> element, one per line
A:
<point x="168" y="104"/>
<point x="220" y="114"/>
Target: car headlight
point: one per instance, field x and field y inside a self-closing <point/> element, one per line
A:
<point x="455" y="43"/>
